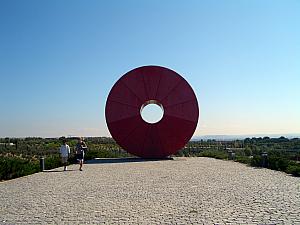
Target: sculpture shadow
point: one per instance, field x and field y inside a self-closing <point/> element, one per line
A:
<point x="123" y="160"/>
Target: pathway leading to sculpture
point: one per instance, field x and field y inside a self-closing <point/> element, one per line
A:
<point x="179" y="191"/>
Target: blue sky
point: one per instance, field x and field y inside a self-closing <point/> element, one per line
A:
<point x="59" y="60"/>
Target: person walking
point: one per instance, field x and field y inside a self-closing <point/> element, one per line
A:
<point x="64" y="153"/>
<point x="80" y="151"/>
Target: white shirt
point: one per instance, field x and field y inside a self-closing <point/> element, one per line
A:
<point x="64" y="150"/>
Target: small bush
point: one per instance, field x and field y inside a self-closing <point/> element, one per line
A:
<point x="16" y="166"/>
<point x="13" y="167"/>
<point x="213" y="154"/>
<point x="243" y="159"/>
<point x="52" y="161"/>
<point x="103" y="153"/>
<point x="277" y="163"/>
<point x="256" y="161"/>
<point x="294" y="170"/>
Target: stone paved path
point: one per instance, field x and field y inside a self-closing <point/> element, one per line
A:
<point x="179" y="191"/>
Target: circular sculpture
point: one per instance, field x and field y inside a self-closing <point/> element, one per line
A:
<point x="151" y="85"/>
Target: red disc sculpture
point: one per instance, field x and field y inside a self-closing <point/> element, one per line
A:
<point x="146" y="85"/>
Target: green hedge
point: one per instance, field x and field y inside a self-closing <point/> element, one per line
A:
<point x="52" y="161"/>
<point x="274" y="161"/>
<point x="16" y="166"/>
<point x="294" y="170"/>
<point x="104" y="153"/>
<point x="213" y="154"/>
<point x="243" y="159"/>
<point x="13" y="167"/>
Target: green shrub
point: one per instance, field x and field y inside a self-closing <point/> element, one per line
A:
<point x="248" y="151"/>
<point x="277" y="163"/>
<point x="293" y="169"/>
<point x="52" y="161"/>
<point x="103" y="153"/>
<point x="13" y="167"/>
<point x="213" y="154"/>
<point x="256" y="161"/>
<point x="243" y="159"/>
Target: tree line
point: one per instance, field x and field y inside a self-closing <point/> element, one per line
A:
<point x="20" y="156"/>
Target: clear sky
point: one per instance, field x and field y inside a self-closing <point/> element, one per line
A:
<point x="60" y="58"/>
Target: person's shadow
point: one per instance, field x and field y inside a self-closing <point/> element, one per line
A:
<point x="57" y="171"/>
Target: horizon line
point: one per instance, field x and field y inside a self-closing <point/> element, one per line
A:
<point x="193" y="137"/>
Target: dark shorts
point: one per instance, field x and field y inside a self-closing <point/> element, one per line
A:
<point x="79" y="156"/>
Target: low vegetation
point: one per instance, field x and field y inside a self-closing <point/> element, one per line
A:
<point x="280" y="154"/>
<point x="20" y="157"/>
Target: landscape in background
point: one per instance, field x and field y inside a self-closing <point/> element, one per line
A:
<point x="21" y="156"/>
<point x="241" y="137"/>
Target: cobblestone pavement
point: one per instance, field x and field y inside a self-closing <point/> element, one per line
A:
<point x="179" y="191"/>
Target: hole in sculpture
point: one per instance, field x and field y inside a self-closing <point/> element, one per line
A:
<point x="152" y="111"/>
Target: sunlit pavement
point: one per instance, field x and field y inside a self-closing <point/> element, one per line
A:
<point x="179" y="191"/>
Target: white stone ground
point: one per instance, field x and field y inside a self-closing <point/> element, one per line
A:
<point x="179" y="191"/>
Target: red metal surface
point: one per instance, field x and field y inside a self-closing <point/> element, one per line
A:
<point x="144" y="139"/>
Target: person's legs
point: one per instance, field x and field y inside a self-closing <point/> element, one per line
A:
<point x="65" y="168"/>
<point x="64" y="161"/>
<point x="80" y="164"/>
